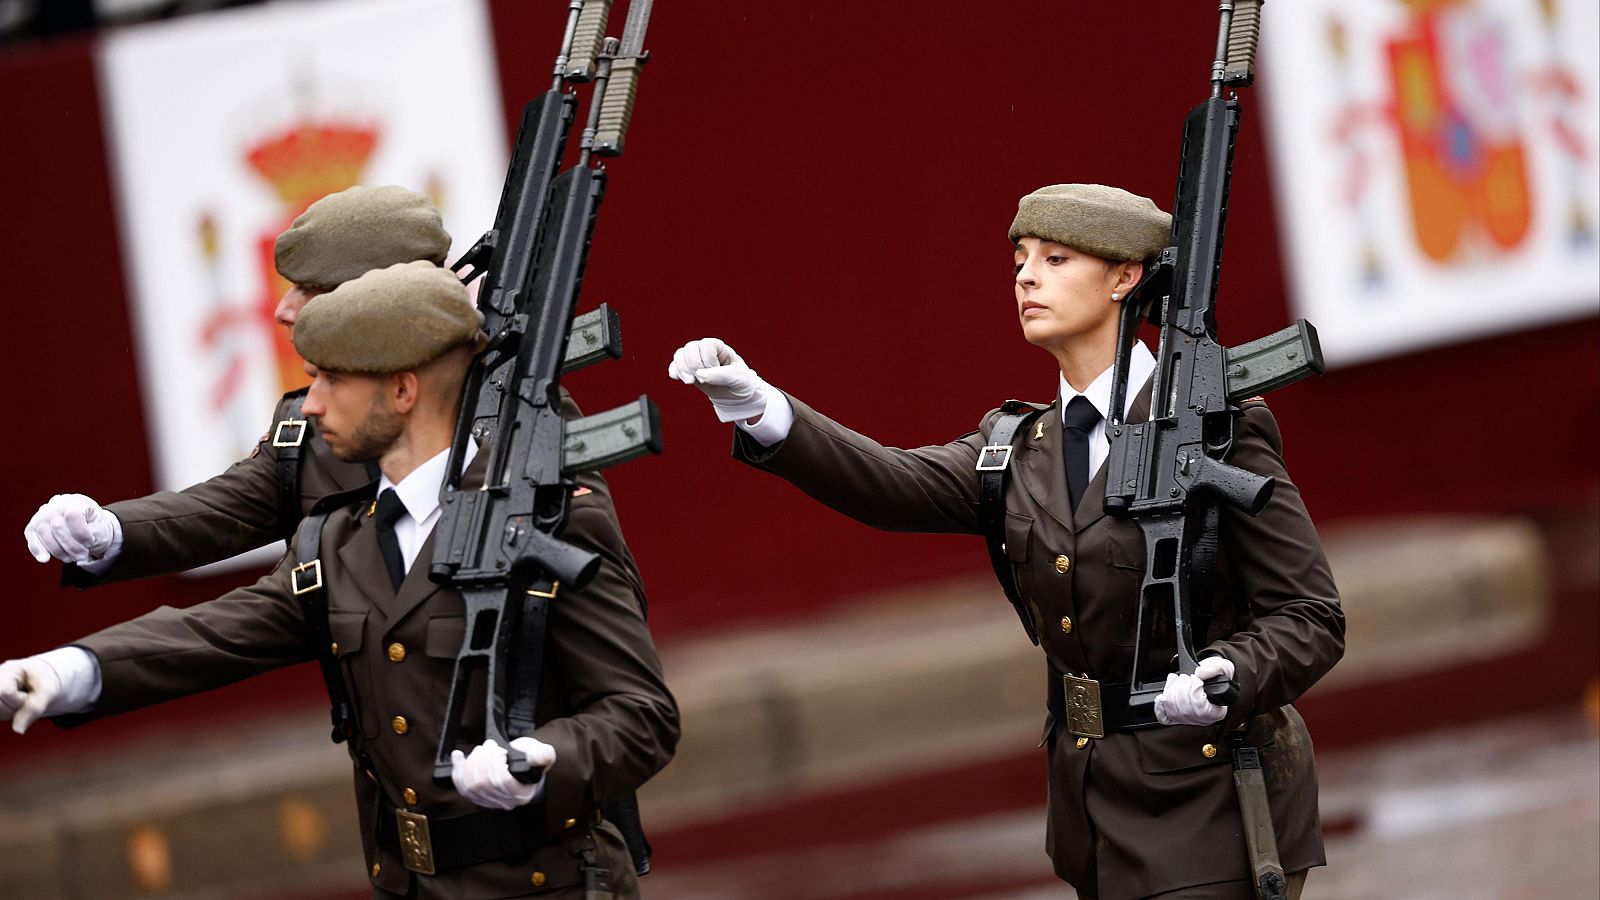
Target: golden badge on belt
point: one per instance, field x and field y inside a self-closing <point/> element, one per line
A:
<point x="1083" y="706"/>
<point x="416" y="845"/>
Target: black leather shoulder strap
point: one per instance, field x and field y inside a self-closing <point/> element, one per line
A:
<point x="306" y="579"/>
<point x="994" y="469"/>
<point x="288" y="440"/>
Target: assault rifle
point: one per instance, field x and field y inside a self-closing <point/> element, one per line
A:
<point x="1170" y="473"/>
<point x="497" y="546"/>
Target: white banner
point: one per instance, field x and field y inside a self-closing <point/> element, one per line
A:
<point x="224" y="127"/>
<point x="1435" y="165"/>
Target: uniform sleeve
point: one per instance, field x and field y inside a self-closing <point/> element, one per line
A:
<point x="169" y="653"/>
<point x="623" y="727"/>
<point x="173" y="531"/>
<point x="929" y="489"/>
<point x="1277" y="562"/>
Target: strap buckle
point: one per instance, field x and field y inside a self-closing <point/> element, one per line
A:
<point x="315" y="568"/>
<point x="299" y="426"/>
<point x="416" y="844"/>
<point x="994" y="458"/>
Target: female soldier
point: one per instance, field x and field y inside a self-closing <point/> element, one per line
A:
<point x="1145" y="811"/>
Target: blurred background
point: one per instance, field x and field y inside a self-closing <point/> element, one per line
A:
<point x="827" y="186"/>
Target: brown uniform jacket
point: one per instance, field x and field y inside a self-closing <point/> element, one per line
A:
<point x="236" y="511"/>
<point x="1140" y="812"/>
<point x="603" y="704"/>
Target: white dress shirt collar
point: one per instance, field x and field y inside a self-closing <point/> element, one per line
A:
<point x="1140" y="364"/>
<point x="419" y="494"/>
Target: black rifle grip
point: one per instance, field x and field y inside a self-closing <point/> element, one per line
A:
<point x="1221" y="691"/>
<point x="562" y="561"/>
<point x="1241" y="489"/>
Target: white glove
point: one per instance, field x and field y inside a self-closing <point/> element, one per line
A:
<point x="485" y="778"/>
<point x="65" y="680"/>
<point x="736" y="391"/>
<point x="1183" y="700"/>
<point x="72" y="528"/>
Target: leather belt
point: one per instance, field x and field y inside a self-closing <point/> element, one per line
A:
<point x="430" y="844"/>
<point x="1090" y="708"/>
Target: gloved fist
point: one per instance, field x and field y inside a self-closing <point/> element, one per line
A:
<point x="72" y="528"/>
<point x="736" y="391"/>
<point x="1183" y="700"/>
<point x="485" y="778"/>
<point x="26" y="688"/>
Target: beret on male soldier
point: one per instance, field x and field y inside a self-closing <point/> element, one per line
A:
<point x="1106" y="221"/>
<point x="358" y="229"/>
<point x="388" y="320"/>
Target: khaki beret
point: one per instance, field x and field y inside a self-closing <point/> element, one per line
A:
<point x="1094" y="218"/>
<point x="388" y="320"/>
<point x="355" y="230"/>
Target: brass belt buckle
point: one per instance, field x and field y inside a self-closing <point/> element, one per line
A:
<point x="416" y="846"/>
<point x="1084" y="717"/>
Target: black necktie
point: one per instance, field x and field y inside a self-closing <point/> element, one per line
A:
<point x="1078" y="422"/>
<point x="389" y="511"/>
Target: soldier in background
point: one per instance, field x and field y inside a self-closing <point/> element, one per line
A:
<point x="1145" y="808"/>
<point x="260" y="498"/>
<point x="389" y="352"/>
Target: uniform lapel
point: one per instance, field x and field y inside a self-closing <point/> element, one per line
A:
<point x="417" y="586"/>
<point x="1093" y="503"/>
<point x="361" y="557"/>
<point x="1041" y="468"/>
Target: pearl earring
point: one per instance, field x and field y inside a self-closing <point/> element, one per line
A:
<point x="1115" y="296"/>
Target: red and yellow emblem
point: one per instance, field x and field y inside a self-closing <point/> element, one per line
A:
<point x="1455" y="115"/>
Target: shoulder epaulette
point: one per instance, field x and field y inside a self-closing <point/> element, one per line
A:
<point x="1022" y="406"/>
<point x="342" y="499"/>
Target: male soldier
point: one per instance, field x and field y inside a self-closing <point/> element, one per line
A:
<point x="389" y="352"/>
<point x="259" y="499"/>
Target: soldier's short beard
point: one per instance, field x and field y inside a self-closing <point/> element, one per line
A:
<point x="375" y="435"/>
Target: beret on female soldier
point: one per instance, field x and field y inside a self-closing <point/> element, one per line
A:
<point x="355" y="230"/>
<point x="1106" y="221"/>
<point x="388" y="320"/>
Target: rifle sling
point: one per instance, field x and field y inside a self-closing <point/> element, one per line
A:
<point x="992" y="505"/>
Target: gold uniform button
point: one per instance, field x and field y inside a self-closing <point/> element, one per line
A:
<point x="400" y="725"/>
<point x="1066" y="624"/>
<point x="1209" y="751"/>
<point x="334" y="648"/>
<point x="1063" y="564"/>
<point x="410" y="796"/>
<point x="376" y="868"/>
<point x="397" y="652"/>
<point x="569" y="823"/>
<point x="537" y="879"/>
<point x="1082" y="743"/>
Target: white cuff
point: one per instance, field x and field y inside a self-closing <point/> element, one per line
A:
<point x="776" y="420"/>
<point x="79" y="673"/>
<point x="107" y="559"/>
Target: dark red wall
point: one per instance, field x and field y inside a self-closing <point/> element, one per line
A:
<point x="826" y="186"/>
